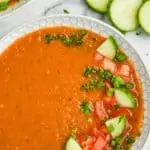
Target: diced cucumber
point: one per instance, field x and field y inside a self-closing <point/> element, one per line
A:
<point x="108" y="48"/>
<point x="117" y="81"/>
<point x="144" y="16"/>
<point x="123" y="14"/>
<point x="125" y="98"/>
<point x="99" y="5"/>
<point x="72" y="144"/>
<point x="116" y="126"/>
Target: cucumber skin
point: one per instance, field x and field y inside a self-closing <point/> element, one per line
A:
<point x="115" y="25"/>
<point x="134" y="102"/>
<point x="102" y="12"/>
<point x="124" y="122"/>
<point x="139" y="16"/>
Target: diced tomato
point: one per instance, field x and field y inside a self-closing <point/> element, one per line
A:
<point x="108" y="85"/>
<point x="100" y="143"/>
<point x="124" y="70"/>
<point x="109" y="65"/>
<point x="81" y="138"/>
<point x="109" y="101"/>
<point x="122" y="111"/>
<point x="98" y="133"/>
<point x="100" y="110"/>
<point x="98" y="57"/>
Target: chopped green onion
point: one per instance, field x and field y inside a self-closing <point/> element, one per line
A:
<point x="130" y="140"/>
<point x="66" y="11"/>
<point x="110" y="92"/>
<point x="120" y="56"/>
<point x="129" y="85"/>
<point x="117" y="81"/>
<point x="86" y="108"/>
<point x="113" y="143"/>
<point x="87" y="71"/>
<point x="84" y="86"/>
<point x="105" y="74"/>
<point x="118" y="140"/>
<point x="100" y="84"/>
<point x="95" y="70"/>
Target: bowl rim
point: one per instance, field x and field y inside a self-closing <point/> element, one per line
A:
<point x="93" y="20"/>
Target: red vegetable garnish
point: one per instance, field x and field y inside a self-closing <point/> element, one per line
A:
<point x="98" y="57"/>
<point x="122" y="111"/>
<point x="109" y="101"/>
<point x="109" y="65"/>
<point x="100" y="110"/>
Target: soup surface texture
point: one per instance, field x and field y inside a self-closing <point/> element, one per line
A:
<point x="44" y="98"/>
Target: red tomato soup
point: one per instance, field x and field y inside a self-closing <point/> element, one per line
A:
<point x="64" y="88"/>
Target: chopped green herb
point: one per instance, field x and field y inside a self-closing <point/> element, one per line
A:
<point x="118" y="140"/>
<point x="105" y="74"/>
<point x="95" y="70"/>
<point x="110" y="128"/>
<point x="130" y="140"/>
<point x="82" y="33"/>
<point x="93" y="82"/>
<point x="3" y="5"/>
<point x="117" y="81"/>
<point x="120" y="56"/>
<point x="113" y="143"/>
<point x="91" y="87"/>
<point x="49" y="38"/>
<point x="110" y="92"/>
<point x="66" y="11"/>
<point x="100" y="84"/>
<point x="129" y="85"/>
<point x="84" y="86"/>
<point x="86" y="107"/>
<point x="87" y="71"/>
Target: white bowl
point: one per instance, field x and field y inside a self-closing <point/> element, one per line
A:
<point x="105" y="30"/>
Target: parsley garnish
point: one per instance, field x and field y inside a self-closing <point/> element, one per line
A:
<point x="66" y="11"/>
<point x="86" y="107"/>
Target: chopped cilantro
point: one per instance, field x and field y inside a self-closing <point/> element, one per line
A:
<point x="105" y="74"/>
<point x="66" y="11"/>
<point x="100" y="84"/>
<point x="129" y="85"/>
<point x="87" y="71"/>
<point x="120" y="56"/>
<point x="130" y="140"/>
<point x="86" y="108"/>
<point x="110" y="92"/>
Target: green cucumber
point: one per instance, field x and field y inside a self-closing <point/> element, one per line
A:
<point x="125" y="98"/>
<point x="124" y="14"/>
<point x="116" y="126"/>
<point x="99" y="5"/>
<point x="72" y="144"/>
<point x="108" y="48"/>
<point x="144" y="16"/>
<point x="4" y="4"/>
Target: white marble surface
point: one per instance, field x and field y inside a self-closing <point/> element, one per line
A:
<point x="39" y="8"/>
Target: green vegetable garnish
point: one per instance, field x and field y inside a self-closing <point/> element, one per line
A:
<point x="117" y="81"/>
<point x="48" y="38"/>
<point x="129" y="85"/>
<point x="85" y="87"/>
<point x="105" y="74"/>
<point x="100" y="84"/>
<point x="120" y="56"/>
<point x="86" y="108"/>
<point x="110" y="128"/>
<point x="95" y="70"/>
<point x="66" y="11"/>
<point x="130" y="140"/>
<point x="87" y="71"/>
<point x="110" y="92"/>
<point x="3" y="5"/>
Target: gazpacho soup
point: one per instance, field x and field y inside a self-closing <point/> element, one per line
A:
<point x="65" y="88"/>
